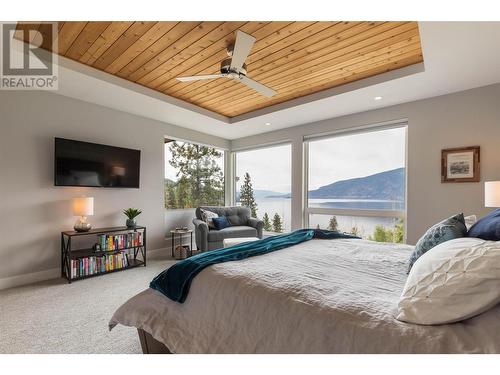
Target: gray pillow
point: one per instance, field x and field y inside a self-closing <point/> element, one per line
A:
<point x="453" y="227"/>
<point x="207" y="217"/>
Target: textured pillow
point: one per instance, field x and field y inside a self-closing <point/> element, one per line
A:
<point x="457" y="280"/>
<point x="220" y="222"/>
<point x="453" y="227"/>
<point x="488" y="227"/>
<point x="207" y="217"/>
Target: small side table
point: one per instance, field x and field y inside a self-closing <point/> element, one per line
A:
<point x="181" y="233"/>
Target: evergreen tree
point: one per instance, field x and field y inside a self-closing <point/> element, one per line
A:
<point x="382" y="234"/>
<point x="355" y="231"/>
<point x="277" y="223"/>
<point x="246" y="195"/>
<point x="399" y="232"/>
<point x="267" y="223"/>
<point x="200" y="177"/>
<point x="170" y="201"/>
<point x="333" y="225"/>
<point x="183" y="193"/>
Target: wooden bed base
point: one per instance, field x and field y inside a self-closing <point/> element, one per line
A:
<point x="151" y="346"/>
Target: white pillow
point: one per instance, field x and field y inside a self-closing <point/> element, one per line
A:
<point x="470" y="221"/>
<point x="455" y="280"/>
<point x="207" y="217"/>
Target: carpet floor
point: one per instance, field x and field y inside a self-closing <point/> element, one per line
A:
<point x="56" y="317"/>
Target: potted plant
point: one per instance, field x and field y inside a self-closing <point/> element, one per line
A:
<point x="132" y="214"/>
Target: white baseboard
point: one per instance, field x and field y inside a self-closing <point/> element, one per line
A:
<point x="54" y="273"/>
<point x="29" y="278"/>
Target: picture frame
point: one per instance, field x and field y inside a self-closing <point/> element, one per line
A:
<point x="461" y="164"/>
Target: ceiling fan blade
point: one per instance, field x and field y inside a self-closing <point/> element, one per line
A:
<point x="264" y="90"/>
<point x="196" y="78"/>
<point x="242" y="47"/>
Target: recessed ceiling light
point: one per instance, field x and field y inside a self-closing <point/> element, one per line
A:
<point x="377" y="98"/>
<point x="267" y="124"/>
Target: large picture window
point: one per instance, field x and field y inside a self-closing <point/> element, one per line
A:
<point x="263" y="183"/>
<point x="356" y="184"/>
<point x="194" y="175"/>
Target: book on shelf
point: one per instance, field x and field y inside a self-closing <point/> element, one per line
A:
<point x="109" y="242"/>
<point x="94" y="264"/>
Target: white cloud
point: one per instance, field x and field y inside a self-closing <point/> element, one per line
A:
<point x="355" y="155"/>
<point x="270" y="168"/>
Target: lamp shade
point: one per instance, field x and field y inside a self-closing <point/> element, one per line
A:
<point x="492" y="194"/>
<point x="83" y="206"/>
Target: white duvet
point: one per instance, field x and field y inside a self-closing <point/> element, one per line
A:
<point x="321" y="296"/>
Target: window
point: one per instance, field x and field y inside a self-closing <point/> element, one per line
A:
<point x="194" y="175"/>
<point x="263" y="183"/>
<point x="356" y="184"/>
<point x="381" y="229"/>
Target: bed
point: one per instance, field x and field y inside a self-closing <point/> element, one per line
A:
<point x="320" y="296"/>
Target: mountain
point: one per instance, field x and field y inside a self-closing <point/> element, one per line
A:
<point x="388" y="185"/>
<point x="259" y="194"/>
<point x="265" y="193"/>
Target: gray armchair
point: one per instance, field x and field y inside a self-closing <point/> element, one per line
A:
<point x="241" y="225"/>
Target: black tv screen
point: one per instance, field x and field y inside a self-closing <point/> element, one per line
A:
<point x="94" y="165"/>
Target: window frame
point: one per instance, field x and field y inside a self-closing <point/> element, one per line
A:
<point x="307" y="211"/>
<point x="256" y="148"/>
<point x="225" y="153"/>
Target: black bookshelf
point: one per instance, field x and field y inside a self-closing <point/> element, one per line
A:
<point x="137" y="253"/>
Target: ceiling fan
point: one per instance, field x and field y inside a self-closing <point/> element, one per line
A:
<point x="234" y="67"/>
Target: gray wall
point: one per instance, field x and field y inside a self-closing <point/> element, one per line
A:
<point x="463" y="119"/>
<point x="33" y="211"/>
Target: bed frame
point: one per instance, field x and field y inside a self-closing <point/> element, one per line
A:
<point x="150" y="345"/>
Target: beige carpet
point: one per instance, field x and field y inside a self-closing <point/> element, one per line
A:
<point x="57" y="317"/>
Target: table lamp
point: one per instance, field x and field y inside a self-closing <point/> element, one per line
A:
<point x="83" y="207"/>
<point x="492" y="194"/>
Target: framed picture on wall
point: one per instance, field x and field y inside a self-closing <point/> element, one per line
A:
<point x="460" y="164"/>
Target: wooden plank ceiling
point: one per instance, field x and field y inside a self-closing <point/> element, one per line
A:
<point x="293" y="58"/>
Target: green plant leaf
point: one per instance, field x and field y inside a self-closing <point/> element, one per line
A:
<point x="132" y="213"/>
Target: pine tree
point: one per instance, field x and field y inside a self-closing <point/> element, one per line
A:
<point x="277" y="224"/>
<point x="246" y="195"/>
<point x="333" y="224"/>
<point x="355" y="231"/>
<point x="399" y="232"/>
<point x="201" y="176"/>
<point x="184" y="194"/>
<point x="267" y="223"/>
<point x="382" y="234"/>
<point x="170" y="201"/>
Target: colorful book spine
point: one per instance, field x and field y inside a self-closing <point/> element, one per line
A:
<point x="92" y="265"/>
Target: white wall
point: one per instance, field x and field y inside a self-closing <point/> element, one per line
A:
<point x="467" y="118"/>
<point x="33" y="211"/>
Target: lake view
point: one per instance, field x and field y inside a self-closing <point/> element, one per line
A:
<point x="366" y="225"/>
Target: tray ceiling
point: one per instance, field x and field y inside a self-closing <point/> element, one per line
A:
<point x="294" y="58"/>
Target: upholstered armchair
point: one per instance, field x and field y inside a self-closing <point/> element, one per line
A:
<point x="240" y="221"/>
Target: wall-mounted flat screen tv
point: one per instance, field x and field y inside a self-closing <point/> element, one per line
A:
<point x="94" y="165"/>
